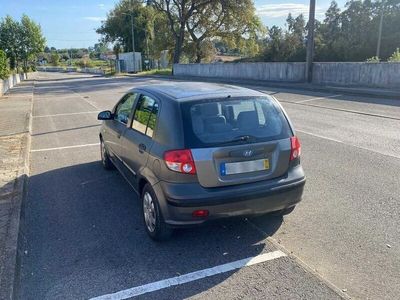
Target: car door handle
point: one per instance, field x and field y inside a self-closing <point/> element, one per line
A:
<point x="142" y="148"/>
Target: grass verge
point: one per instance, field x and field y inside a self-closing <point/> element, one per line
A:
<point x="167" y="71"/>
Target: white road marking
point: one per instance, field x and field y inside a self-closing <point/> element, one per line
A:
<point x="66" y="87"/>
<point x="178" y="280"/>
<point x="344" y="143"/>
<point x="66" y="147"/>
<point x="320" y="136"/>
<point x="319" y="98"/>
<point x="67" y="114"/>
<point x="84" y="99"/>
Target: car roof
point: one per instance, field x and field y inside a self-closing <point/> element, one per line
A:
<point x="187" y="91"/>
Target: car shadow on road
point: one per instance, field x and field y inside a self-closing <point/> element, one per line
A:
<point x="85" y="237"/>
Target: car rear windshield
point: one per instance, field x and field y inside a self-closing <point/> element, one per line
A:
<point x="231" y="121"/>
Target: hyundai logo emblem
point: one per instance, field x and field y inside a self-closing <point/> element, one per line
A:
<point x="247" y="153"/>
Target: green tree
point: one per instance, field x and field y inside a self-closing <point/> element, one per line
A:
<point x="54" y="59"/>
<point x="117" y="27"/>
<point x="179" y="13"/>
<point x="32" y="41"/>
<point x="21" y="41"/>
<point x="328" y="38"/>
<point x="274" y="45"/>
<point x="348" y="35"/>
<point x="4" y="70"/>
<point x="288" y="45"/>
<point x="229" y="20"/>
<point x="10" y="40"/>
<point x="356" y="32"/>
<point x="294" y="43"/>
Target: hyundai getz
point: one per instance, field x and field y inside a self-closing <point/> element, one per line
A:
<point x="196" y="152"/>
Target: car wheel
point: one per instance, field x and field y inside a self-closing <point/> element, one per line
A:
<point x="154" y="222"/>
<point x="284" y="212"/>
<point x="105" y="158"/>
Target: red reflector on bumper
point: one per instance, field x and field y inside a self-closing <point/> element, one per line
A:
<point x="201" y="213"/>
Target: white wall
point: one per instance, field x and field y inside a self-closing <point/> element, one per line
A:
<point x="255" y="71"/>
<point x="10" y="82"/>
<point x="379" y="75"/>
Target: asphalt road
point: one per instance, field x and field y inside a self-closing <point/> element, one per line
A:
<point x="84" y="236"/>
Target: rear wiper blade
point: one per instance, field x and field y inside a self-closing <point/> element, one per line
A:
<point x="242" y="138"/>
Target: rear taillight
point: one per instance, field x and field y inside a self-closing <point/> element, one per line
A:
<point x="180" y="161"/>
<point x="295" y="148"/>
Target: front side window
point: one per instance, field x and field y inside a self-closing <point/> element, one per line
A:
<point x="124" y="108"/>
<point x="145" y="117"/>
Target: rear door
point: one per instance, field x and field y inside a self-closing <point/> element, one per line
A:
<point x="137" y="139"/>
<point x="117" y="126"/>
<point x="236" y="141"/>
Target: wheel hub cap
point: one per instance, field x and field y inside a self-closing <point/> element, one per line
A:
<point x="149" y="212"/>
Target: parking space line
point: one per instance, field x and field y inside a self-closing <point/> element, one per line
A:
<point x="321" y="136"/>
<point x="83" y="98"/>
<point x="66" y="147"/>
<point x="319" y="98"/>
<point x="67" y="114"/>
<point x="344" y="143"/>
<point x="178" y="280"/>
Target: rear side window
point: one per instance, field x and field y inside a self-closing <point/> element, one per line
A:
<point x="145" y="117"/>
<point x="210" y="123"/>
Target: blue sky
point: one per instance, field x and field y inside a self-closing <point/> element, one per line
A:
<point x="72" y="23"/>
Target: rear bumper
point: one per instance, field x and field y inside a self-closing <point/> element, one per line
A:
<point x="178" y="201"/>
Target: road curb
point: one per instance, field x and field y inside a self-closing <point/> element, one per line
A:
<point x="10" y="272"/>
<point x="9" y="280"/>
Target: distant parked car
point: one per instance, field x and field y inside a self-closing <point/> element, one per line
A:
<point x="196" y="152"/>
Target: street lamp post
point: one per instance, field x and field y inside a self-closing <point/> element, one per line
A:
<point x="310" y="42"/>
<point x="378" y="46"/>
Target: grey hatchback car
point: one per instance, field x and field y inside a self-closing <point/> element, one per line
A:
<point x="196" y="152"/>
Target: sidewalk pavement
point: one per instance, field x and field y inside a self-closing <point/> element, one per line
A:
<point x="15" y="110"/>
<point x="352" y="90"/>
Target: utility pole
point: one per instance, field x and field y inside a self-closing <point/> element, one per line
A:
<point x="378" y="47"/>
<point x="310" y="42"/>
<point x="133" y="43"/>
<point x="70" y="57"/>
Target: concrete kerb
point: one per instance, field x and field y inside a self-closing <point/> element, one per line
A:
<point x="11" y="273"/>
<point x="12" y="259"/>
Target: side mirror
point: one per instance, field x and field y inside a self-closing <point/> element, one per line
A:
<point x="105" y="115"/>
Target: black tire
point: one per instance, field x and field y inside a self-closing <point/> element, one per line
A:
<point x="156" y="228"/>
<point x="284" y="212"/>
<point x="105" y="158"/>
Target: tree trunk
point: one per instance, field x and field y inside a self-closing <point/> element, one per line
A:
<point x="198" y="53"/>
<point x="13" y="63"/>
<point x="179" y="44"/>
